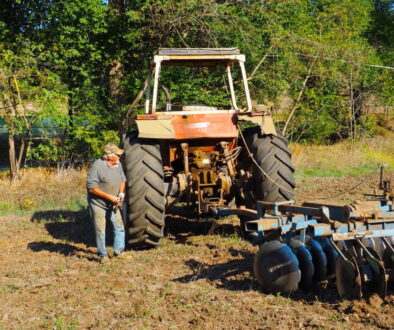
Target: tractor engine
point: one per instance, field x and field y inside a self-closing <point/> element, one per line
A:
<point x="201" y="174"/>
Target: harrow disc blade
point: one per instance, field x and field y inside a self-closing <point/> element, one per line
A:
<point x="378" y="282"/>
<point x="331" y="255"/>
<point x="276" y="268"/>
<point x="379" y="246"/>
<point x="388" y="258"/>
<point x="305" y="263"/>
<point x="348" y="277"/>
<point x="319" y="258"/>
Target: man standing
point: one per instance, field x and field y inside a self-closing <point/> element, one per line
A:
<point x="106" y="184"/>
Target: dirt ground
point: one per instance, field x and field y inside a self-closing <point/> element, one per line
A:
<point x="200" y="278"/>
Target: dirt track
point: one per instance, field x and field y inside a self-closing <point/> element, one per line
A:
<point x="49" y="278"/>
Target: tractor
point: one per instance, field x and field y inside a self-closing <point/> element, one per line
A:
<point x="211" y="156"/>
<point x="196" y="153"/>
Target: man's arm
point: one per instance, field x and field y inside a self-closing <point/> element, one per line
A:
<point x="98" y="192"/>
<point x="122" y="187"/>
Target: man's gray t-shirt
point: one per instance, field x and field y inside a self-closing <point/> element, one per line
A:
<point x="107" y="179"/>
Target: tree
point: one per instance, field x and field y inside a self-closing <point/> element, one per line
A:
<point x="30" y="93"/>
<point x="313" y="53"/>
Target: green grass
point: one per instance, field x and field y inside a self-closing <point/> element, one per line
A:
<point x="6" y="207"/>
<point x="28" y="207"/>
<point x="59" y="324"/>
<point x="327" y="172"/>
<point x="343" y="159"/>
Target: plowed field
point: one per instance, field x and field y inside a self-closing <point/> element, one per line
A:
<point x="200" y="278"/>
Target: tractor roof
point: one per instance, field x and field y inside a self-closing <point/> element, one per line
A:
<point x="198" y="56"/>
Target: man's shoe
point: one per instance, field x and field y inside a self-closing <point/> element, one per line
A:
<point x="103" y="259"/>
<point x="122" y="256"/>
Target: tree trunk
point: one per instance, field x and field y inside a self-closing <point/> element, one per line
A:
<point x="118" y="5"/>
<point x="12" y="156"/>
<point x="116" y="68"/>
<point x="115" y="77"/>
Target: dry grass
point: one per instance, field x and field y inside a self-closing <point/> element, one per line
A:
<point x="50" y="189"/>
<point x="43" y="188"/>
<point x="344" y="158"/>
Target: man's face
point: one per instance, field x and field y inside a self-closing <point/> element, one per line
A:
<point x="113" y="159"/>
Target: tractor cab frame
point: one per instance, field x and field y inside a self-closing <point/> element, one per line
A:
<point x="204" y="57"/>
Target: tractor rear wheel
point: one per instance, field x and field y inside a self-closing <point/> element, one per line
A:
<point x="145" y="193"/>
<point x="273" y="176"/>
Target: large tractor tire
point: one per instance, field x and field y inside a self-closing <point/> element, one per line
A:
<point x="145" y="193"/>
<point x="273" y="178"/>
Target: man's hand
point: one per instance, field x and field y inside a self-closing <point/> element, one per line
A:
<point x="113" y="199"/>
<point x="121" y="196"/>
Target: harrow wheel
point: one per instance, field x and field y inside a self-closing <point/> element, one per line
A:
<point x="276" y="268"/>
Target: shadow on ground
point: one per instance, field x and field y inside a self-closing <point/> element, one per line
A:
<point x="181" y="223"/>
<point x="233" y="275"/>
<point x="61" y="248"/>
<point x="67" y="226"/>
<point x="72" y="226"/>
<point x="237" y="275"/>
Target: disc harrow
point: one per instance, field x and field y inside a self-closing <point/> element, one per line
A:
<point x="304" y="245"/>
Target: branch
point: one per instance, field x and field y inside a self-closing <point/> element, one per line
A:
<point x="181" y="38"/>
<point x="299" y="96"/>
<point x="137" y="99"/>
<point x="261" y="62"/>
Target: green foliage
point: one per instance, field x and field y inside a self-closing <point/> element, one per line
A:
<point x="82" y="62"/>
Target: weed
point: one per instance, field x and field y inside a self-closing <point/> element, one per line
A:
<point x="61" y="269"/>
<point x="233" y="239"/>
<point x="335" y="318"/>
<point x="6" y="207"/>
<point x="61" y="325"/>
<point x="49" y="302"/>
<point x="187" y="306"/>
<point x="146" y="260"/>
<point x="13" y="287"/>
<point x="106" y="268"/>
<point x="9" y="287"/>
<point x="142" y="308"/>
<point x="281" y="300"/>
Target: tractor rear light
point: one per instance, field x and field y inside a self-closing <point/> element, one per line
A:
<point x="147" y="117"/>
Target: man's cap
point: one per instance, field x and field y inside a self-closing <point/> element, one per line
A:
<point x="111" y="148"/>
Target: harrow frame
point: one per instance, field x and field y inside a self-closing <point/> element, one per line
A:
<point x="302" y="245"/>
